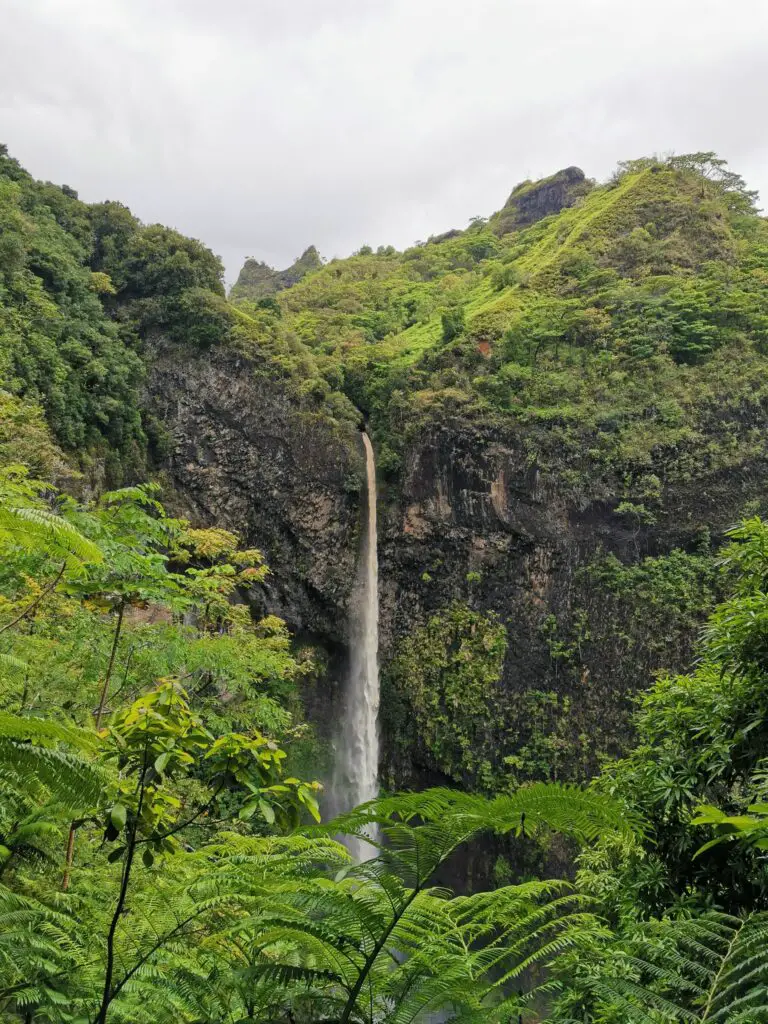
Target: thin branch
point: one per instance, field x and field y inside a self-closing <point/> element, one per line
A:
<point x="189" y="821"/>
<point x="107" y="995"/>
<point x="69" y="858"/>
<point x="31" y="607"/>
<point x="128" y="660"/>
<point x="70" y="855"/>
<point x="157" y="945"/>
<point x="111" y="665"/>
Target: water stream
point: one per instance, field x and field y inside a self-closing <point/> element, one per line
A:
<point x="357" y="759"/>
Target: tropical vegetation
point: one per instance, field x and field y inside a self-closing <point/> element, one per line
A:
<point x="164" y="850"/>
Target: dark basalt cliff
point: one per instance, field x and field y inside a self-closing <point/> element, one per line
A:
<point x="593" y="605"/>
<point x="241" y="454"/>
<point x="533" y="200"/>
<point x="569" y="408"/>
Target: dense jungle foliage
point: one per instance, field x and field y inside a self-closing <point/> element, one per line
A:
<point x="85" y="293"/>
<point x="164" y="855"/>
<point x="158" y="861"/>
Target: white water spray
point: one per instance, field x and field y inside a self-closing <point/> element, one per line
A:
<point x="357" y="760"/>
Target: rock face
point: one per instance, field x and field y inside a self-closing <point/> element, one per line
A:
<point x="257" y="280"/>
<point x="555" y="476"/>
<point x="476" y="528"/>
<point x="476" y="525"/>
<point x="242" y="455"/>
<point x="532" y="200"/>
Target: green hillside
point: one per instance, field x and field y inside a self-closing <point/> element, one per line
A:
<point x="623" y="326"/>
<point x="164" y="857"/>
<point x="85" y="293"/>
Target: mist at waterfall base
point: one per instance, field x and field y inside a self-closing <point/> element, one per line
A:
<point x="356" y="765"/>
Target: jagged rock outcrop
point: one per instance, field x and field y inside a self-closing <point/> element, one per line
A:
<point x="533" y="200"/>
<point x="258" y="280"/>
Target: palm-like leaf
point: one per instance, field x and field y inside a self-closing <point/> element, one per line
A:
<point x="46" y="732"/>
<point x="709" y="969"/>
<point x="41" y="946"/>
<point x="384" y="944"/>
<point x="252" y="928"/>
<point x="37" y="762"/>
<point x="10" y="663"/>
<point x="40" y="530"/>
<point x="585" y="814"/>
<point x="70" y="781"/>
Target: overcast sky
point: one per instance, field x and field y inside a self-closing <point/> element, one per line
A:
<point x="263" y="126"/>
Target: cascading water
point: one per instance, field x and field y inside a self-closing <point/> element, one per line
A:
<point x="357" y="759"/>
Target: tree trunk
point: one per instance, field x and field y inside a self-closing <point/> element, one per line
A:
<point x="110" y="666"/>
<point x="69" y="858"/>
<point x="108" y="994"/>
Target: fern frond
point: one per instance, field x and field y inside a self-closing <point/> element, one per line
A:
<point x="39" y="530"/>
<point x="139" y="494"/>
<point x="71" y="782"/>
<point x="585" y="814"/>
<point x="12" y="664"/>
<point x="46" y="732"/>
<point x="710" y="969"/>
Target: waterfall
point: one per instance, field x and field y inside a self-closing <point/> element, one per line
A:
<point x="357" y="758"/>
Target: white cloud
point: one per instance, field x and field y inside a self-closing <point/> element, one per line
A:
<point x="262" y="127"/>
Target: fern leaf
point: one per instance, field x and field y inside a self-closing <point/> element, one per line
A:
<point x="71" y="782"/>
<point x="46" y="732"/>
<point x="38" y="529"/>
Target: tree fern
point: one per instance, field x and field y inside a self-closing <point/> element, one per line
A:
<point x="254" y="928"/>
<point x="581" y="813"/>
<point x="36" y="761"/>
<point x="292" y="925"/>
<point x="708" y="969"/>
<point x="42" y="531"/>
<point x="42" y="947"/>
<point x="10" y="663"/>
<point x="585" y="814"/>
<point x="71" y="782"/>
<point x="46" y="732"/>
<point x="383" y="943"/>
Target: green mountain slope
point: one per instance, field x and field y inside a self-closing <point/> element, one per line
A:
<point x="604" y="328"/>
<point x="610" y="327"/>
<point x="567" y="415"/>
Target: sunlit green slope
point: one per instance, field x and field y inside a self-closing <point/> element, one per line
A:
<point x="626" y="329"/>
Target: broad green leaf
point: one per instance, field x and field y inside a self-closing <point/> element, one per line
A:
<point x="267" y="812"/>
<point x="118" y="815"/>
